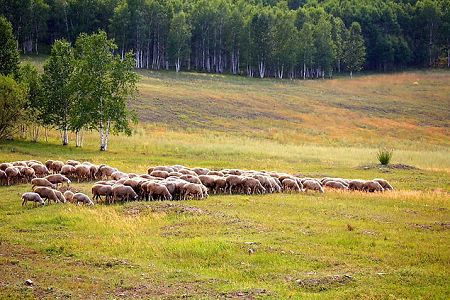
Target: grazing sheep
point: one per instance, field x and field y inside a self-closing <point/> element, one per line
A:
<point x="3" y="178"/>
<point x="187" y="172"/>
<point x="208" y="181"/>
<point x="123" y="193"/>
<point x="69" y="196"/>
<point x="49" y="163"/>
<point x="4" y="166"/>
<point x="372" y="186"/>
<point x="73" y="162"/>
<point x="104" y="172"/>
<point x="192" y="191"/>
<point x="19" y="164"/>
<point x="160" y="173"/>
<point x="41" y="182"/>
<point x="40" y="170"/>
<point x="384" y="183"/>
<point x="68" y="171"/>
<point x="82" y="198"/>
<point x="216" y="173"/>
<point x="60" y="196"/>
<point x="99" y="190"/>
<point x="158" y="191"/>
<point x="252" y="186"/>
<point x="56" y="166"/>
<point x="58" y="179"/>
<point x="117" y="175"/>
<point x="313" y="185"/>
<point x="356" y="185"/>
<point x="220" y="185"/>
<point x="83" y="172"/>
<point x="291" y="185"/>
<point x="28" y="173"/>
<point x="201" y="171"/>
<point x="32" y="197"/>
<point x="233" y="183"/>
<point x="191" y="178"/>
<point x="335" y="185"/>
<point x="12" y="175"/>
<point x="46" y="193"/>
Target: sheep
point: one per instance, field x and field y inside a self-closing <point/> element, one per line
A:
<point x="58" y="179"/>
<point x="192" y="190"/>
<point x="28" y="173"/>
<point x="32" y="197"/>
<point x="40" y="170"/>
<point x="191" y="178"/>
<point x="4" y="166"/>
<point x="340" y="180"/>
<point x="372" y="186"/>
<point x="12" y="175"/>
<point x="82" y="172"/>
<point x="82" y="198"/>
<point x="73" y="162"/>
<point x="56" y="166"/>
<point x="220" y="185"/>
<point x="48" y="164"/>
<point x="160" y="173"/>
<point x="187" y="172"/>
<point x="69" y="196"/>
<point x="124" y="193"/>
<point x="42" y="182"/>
<point x="216" y="173"/>
<point x="60" y="196"/>
<point x="201" y="171"/>
<point x="3" y="177"/>
<point x="46" y="193"/>
<point x="208" y="181"/>
<point x="19" y="164"/>
<point x="68" y="171"/>
<point x="335" y="185"/>
<point x="251" y="186"/>
<point x="117" y="175"/>
<point x="99" y="190"/>
<point x="104" y="172"/>
<point x="291" y="185"/>
<point x="312" y="185"/>
<point x="384" y="183"/>
<point x="233" y="182"/>
<point x="356" y="185"/>
<point x="158" y="191"/>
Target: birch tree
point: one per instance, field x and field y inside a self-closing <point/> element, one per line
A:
<point x="355" y="50"/>
<point x="57" y="87"/>
<point x="179" y="39"/>
<point x="105" y="83"/>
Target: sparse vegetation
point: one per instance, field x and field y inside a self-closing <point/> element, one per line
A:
<point x="384" y="156"/>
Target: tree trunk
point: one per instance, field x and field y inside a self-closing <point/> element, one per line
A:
<point x="351" y="74"/>
<point x="46" y="134"/>
<point x="78" y="138"/>
<point x="65" y="136"/>
<point x="35" y="133"/>
<point x="102" y="137"/>
<point x="108" y="125"/>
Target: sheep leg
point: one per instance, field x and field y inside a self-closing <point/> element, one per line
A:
<point x="24" y="201"/>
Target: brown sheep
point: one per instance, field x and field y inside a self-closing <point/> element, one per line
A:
<point x="82" y="198"/>
<point x="372" y="186"/>
<point x="19" y="164"/>
<point x="58" y="179"/>
<point x="252" y="186"/>
<point x="191" y="178"/>
<point x="82" y="172"/>
<point x="290" y="185"/>
<point x="104" y="172"/>
<point x="340" y="180"/>
<point x="56" y="166"/>
<point x="73" y="162"/>
<point x="40" y="170"/>
<point x="335" y="185"/>
<point x="117" y="175"/>
<point x="42" y="182"/>
<point x="208" y="181"/>
<point x="187" y="172"/>
<point x="28" y="173"/>
<point x="234" y="183"/>
<point x="192" y="191"/>
<point x="123" y="193"/>
<point x="160" y="173"/>
<point x="46" y="193"/>
<point x="220" y="185"/>
<point x="3" y="178"/>
<point x="356" y="185"/>
<point x="175" y="174"/>
<point x="32" y="197"/>
<point x="69" y="196"/>
<point x="68" y="171"/>
<point x="99" y="190"/>
<point x="49" y="163"/>
<point x="60" y="196"/>
<point x="384" y="183"/>
<point x="201" y="171"/>
<point x="158" y="191"/>
<point x="4" y="166"/>
<point x="313" y="185"/>
<point x="13" y="175"/>
<point x="216" y="173"/>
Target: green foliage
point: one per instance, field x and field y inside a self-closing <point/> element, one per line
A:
<point x="384" y="156"/>
<point x="9" y="56"/>
<point x="12" y="102"/>
<point x="355" y="50"/>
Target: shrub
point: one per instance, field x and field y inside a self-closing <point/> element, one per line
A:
<point x="384" y="156"/>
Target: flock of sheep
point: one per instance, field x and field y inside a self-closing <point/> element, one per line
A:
<point x="160" y="183"/>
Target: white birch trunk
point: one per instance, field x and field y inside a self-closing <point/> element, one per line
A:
<point x="65" y="136"/>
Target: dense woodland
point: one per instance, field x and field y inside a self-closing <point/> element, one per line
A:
<point x="293" y="38"/>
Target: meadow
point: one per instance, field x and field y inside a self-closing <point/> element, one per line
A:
<point x="337" y="245"/>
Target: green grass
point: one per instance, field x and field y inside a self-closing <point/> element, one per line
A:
<point x="398" y="246"/>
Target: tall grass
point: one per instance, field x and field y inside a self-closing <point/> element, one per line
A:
<point x="384" y="156"/>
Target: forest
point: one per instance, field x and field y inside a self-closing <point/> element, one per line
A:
<point x="256" y="38"/>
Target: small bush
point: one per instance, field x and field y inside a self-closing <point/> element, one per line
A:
<point x="384" y="156"/>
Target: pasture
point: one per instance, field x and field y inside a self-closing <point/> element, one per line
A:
<point x="333" y="245"/>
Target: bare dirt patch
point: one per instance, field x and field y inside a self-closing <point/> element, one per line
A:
<point x="318" y="284"/>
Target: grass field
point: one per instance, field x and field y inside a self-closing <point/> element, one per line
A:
<point x="333" y="246"/>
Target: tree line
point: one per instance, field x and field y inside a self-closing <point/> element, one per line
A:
<point x="279" y="38"/>
<point x="83" y="87"/>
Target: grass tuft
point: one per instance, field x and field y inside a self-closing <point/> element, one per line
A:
<point x="384" y="156"/>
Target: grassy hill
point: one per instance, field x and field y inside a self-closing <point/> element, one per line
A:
<point x="337" y="245"/>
